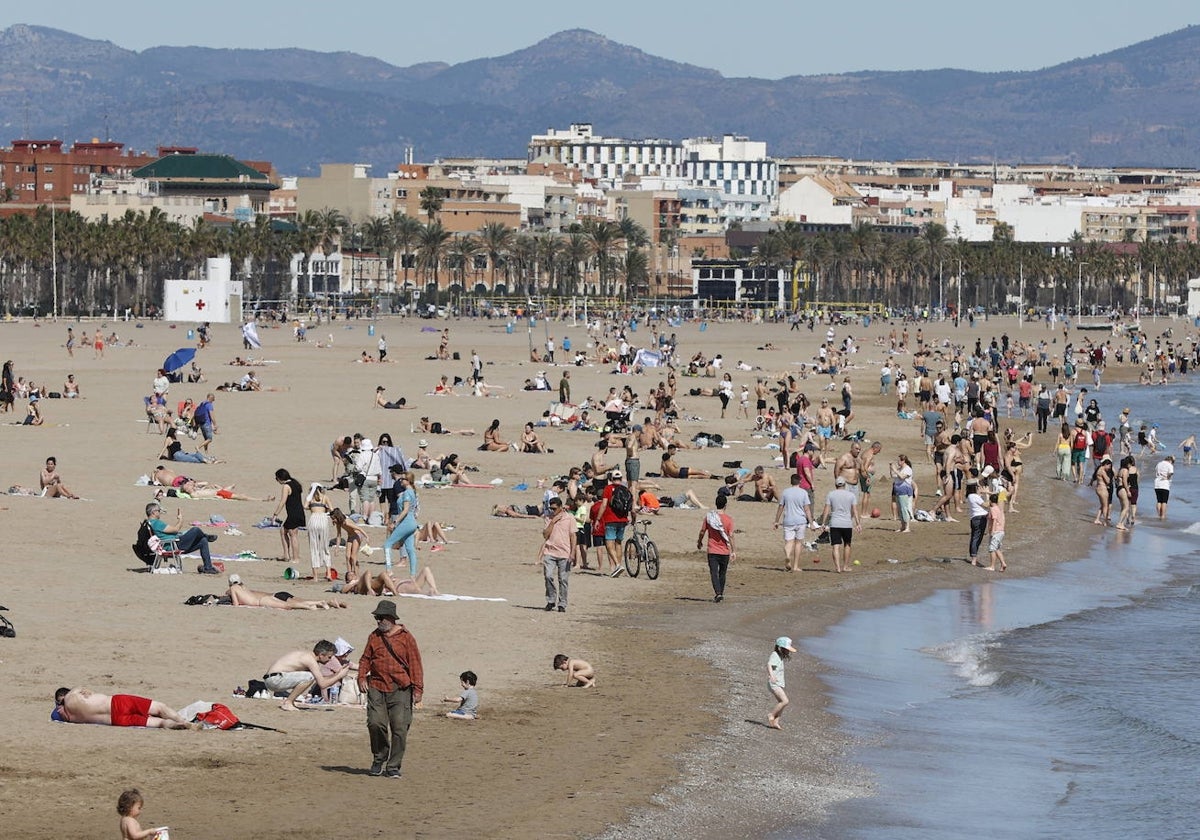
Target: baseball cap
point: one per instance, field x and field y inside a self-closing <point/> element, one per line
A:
<point x="785" y="642"/>
<point x="234" y="580"/>
<point x="616" y="474"/>
<point x="840" y="482"/>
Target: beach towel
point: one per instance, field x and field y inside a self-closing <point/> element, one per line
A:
<point x="250" y="335"/>
<point x="473" y="486"/>
<point x="447" y="597"/>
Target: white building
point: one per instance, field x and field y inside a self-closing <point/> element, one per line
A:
<point x="607" y="159"/>
<point x="820" y="200"/>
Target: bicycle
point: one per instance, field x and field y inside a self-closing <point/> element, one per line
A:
<point x="640" y="550"/>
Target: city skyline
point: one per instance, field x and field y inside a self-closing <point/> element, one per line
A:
<point x="1028" y="36"/>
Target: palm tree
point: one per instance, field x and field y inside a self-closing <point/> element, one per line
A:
<point x="431" y="249"/>
<point x="406" y="233"/>
<point x="936" y="246"/>
<point x="462" y="251"/>
<point x="497" y="240"/>
<point x="432" y="199"/>
<point x="635" y="270"/>
<point x="602" y="238"/>
<point x="574" y="253"/>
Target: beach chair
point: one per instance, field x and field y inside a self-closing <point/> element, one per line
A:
<point x="168" y="558"/>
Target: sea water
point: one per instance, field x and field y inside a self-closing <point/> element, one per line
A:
<point x="1062" y="706"/>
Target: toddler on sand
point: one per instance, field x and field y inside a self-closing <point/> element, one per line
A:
<point x="580" y="674"/>
<point x="129" y="806"/>
<point x="775" y="680"/>
<point x="468" y="700"/>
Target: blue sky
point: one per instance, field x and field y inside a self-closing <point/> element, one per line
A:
<point x="769" y="39"/>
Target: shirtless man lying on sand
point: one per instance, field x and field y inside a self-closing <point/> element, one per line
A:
<point x="242" y="596"/>
<point x="81" y="705"/>
<point x="299" y="671"/>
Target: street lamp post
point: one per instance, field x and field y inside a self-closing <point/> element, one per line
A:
<point x="1079" y="306"/>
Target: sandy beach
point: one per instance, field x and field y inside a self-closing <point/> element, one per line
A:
<point x="672" y="739"/>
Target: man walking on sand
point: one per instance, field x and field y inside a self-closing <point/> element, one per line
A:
<point x="794" y="513"/>
<point x="557" y="552"/>
<point x="391" y="676"/>
<point x="299" y="671"/>
<point x="841" y="518"/>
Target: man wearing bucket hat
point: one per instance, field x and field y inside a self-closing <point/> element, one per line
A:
<point x="392" y="678"/>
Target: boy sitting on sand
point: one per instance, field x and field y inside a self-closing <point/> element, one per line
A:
<point x="580" y="674"/>
<point x="468" y="700"/>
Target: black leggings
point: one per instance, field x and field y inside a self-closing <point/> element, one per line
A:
<point x="978" y="527"/>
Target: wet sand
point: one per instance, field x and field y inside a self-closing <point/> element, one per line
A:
<point x="675" y="722"/>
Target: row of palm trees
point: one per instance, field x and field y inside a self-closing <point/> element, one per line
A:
<point x="923" y="270"/>
<point x="113" y="264"/>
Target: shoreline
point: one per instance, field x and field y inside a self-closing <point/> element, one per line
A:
<point x="541" y="760"/>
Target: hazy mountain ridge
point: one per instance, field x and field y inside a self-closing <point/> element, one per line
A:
<point x="299" y="108"/>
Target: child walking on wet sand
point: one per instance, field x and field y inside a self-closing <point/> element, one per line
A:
<point x="775" y="680"/>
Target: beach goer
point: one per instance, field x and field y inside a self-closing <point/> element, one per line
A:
<point x="1188" y="445"/>
<point x="356" y="539"/>
<point x="580" y="674"/>
<point x="391" y="676"/>
<point x="206" y="421"/>
<point x="82" y="705"/>
<point x="794" y="514"/>
<point x="977" y="508"/>
<point x="318" y="505"/>
<point x="672" y="470"/>
<point x="557" y="551"/>
<point x="996" y="529"/>
<point x="775" y="678"/>
<point x="1103" y="480"/>
<point x="613" y="517"/>
<point x="840" y="516"/>
<point x="718" y="527"/>
<point x="71" y="388"/>
<point x="193" y="539"/>
<point x="243" y="596"/>
<point x="382" y="402"/>
<point x="467" y="700"/>
<point x="173" y="450"/>
<point x="904" y="491"/>
<point x="51" y="482"/>
<point x="33" y="413"/>
<point x="1127" y="492"/>
<point x="129" y="806"/>
<point x="291" y="502"/>
<point x="531" y="442"/>
<point x="492" y="441"/>
<point x="1164" y="471"/>
<point x="406" y="523"/>
<point x="299" y="671"/>
<point x="384" y="584"/>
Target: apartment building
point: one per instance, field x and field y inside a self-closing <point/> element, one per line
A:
<point x="349" y="189"/>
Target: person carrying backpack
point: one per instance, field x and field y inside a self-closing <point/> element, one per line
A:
<point x="1079" y="448"/>
<point x="616" y="502"/>
<point x="1101" y="442"/>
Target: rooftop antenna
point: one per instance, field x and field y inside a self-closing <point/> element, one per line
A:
<point x="107" y="136"/>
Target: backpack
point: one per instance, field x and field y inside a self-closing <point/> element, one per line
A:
<point x="621" y="501"/>
<point x="1081" y="442"/>
<point x="142" y="548"/>
<point x="219" y="716"/>
<point x="1100" y="444"/>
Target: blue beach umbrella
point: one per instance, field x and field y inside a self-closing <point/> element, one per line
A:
<point x="178" y="359"/>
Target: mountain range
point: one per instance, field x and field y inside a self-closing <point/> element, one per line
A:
<point x="1135" y="106"/>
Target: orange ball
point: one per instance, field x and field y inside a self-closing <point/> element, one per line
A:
<point x="874" y="513"/>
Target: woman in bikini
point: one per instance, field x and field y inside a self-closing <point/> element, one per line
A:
<point x="242" y="596"/>
<point x="356" y="540"/>
<point x="491" y="439"/>
<point x="385" y="584"/>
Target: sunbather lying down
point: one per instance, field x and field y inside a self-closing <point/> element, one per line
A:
<point x="383" y="583"/>
<point x="242" y="596"/>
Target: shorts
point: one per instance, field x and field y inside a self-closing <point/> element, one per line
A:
<point x="614" y="531"/>
<point x="684" y="472"/>
<point x="996" y="541"/>
<point x="1078" y="456"/>
<point x="864" y="482"/>
<point x="129" y="710"/>
<point x="224" y="494"/>
<point x="928" y="440"/>
<point x="286" y="681"/>
<point x="841" y="536"/>
<point x="207" y="431"/>
<point x="633" y="469"/>
<point x="461" y="715"/>
<point x="791" y="533"/>
<point x="1162" y="496"/>
<point x="1060" y="410"/>
<point x="761" y="405"/>
<point x="1023" y="402"/>
<point x="825" y="431"/>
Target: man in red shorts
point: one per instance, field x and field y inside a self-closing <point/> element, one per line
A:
<point x="82" y="705"/>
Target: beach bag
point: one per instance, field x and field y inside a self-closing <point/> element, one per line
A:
<point x="141" y="548"/>
<point x="7" y="631"/>
<point x="622" y="500"/>
<point x="1080" y="442"/>
<point x="219" y="716"/>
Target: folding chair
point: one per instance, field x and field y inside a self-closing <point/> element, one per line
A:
<point x="168" y="558"/>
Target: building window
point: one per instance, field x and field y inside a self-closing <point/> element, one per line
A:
<point x="47" y="168"/>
